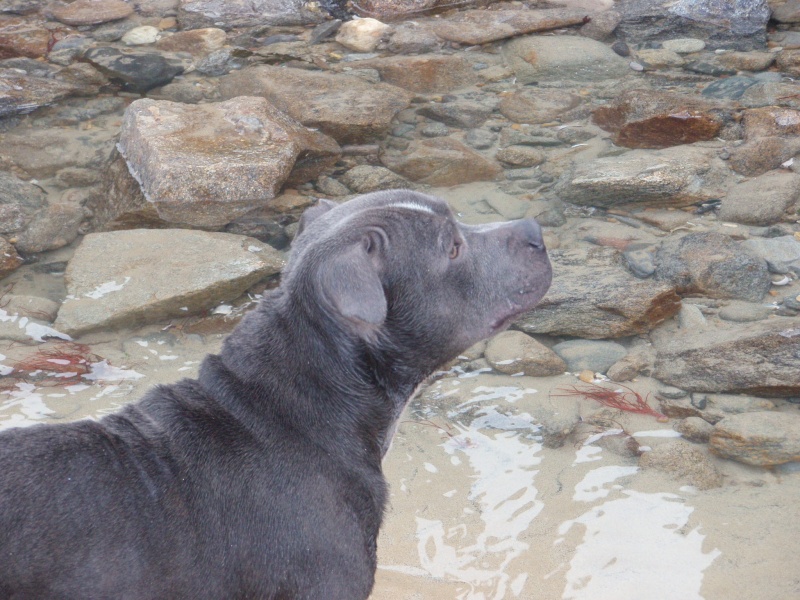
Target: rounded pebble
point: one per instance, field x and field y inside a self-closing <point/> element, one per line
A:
<point x="141" y="35"/>
<point x="671" y="393"/>
<point x="684" y="45"/>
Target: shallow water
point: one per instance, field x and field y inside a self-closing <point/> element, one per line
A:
<point x="480" y="509"/>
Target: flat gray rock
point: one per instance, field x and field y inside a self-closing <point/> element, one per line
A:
<point x="676" y="176"/>
<point x="712" y="408"/>
<point x="474" y="27"/>
<point x="713" y="265"/>
<point x="519" y="404"/>
<point x="740" y="24"/>
<point x="594" y="296"/>
<point x="513" y="352"/>
<point x="781" y="253"/>
<point x="762" y="200"/>
<point x="21" y="93"/>
<point x="760" y="438"/>
<point x="129" y="278"/>
<point x="558" y="57"/>
<point x="758" y="358"/>
<point x="595" y="355"/>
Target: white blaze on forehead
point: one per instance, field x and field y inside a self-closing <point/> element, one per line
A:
<point x="414" y="206"/>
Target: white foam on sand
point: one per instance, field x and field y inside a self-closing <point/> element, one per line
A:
<point x="25" y="405"/>
<point x="102" y="371"/>
<point x="508" y="393"/>
<point x="35" y="331"/>
<point x="593" y="485"/>
<point x="588" y="452"/>
<point x="666" y="433"/>
<point x="637" y="547"/>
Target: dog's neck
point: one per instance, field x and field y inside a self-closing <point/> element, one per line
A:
<point x="281" y="344"/>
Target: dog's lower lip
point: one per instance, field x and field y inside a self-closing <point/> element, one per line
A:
<point x="518" y="309"/>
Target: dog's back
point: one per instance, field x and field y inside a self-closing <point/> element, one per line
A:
<point x="175" y="498"/>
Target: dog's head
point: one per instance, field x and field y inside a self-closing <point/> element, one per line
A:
<point x="397" y="270"/>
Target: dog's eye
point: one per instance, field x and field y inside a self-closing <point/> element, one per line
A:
<point x="455" y="249"/>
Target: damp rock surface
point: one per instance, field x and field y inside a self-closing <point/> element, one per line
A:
<point x="100" y="296"/>
<point x="204" y="165"/>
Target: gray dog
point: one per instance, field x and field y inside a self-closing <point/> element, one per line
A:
<point x="262" y="478"/>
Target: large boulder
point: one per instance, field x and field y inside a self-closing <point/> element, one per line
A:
<point x="557" y="57"/>
<point x="204" y="165"/>
<point x="347" y="108"/>
<point x="677" y="176"/>
<point x="757" y="358"/>
<point x="594" y="296"/>
<point x="739" y="24"/>
<point x="130" y="278"/>
<point x="713" y="265"/>
<point x="654" y="119"/>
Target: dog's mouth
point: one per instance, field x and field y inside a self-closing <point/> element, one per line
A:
<point x="523" y="301"/>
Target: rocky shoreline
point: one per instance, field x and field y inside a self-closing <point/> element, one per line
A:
<point x="661" y="166"/>
<point x="653" y="140"/>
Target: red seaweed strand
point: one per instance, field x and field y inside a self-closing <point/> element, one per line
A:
<point x="61" y="362"/>
<point x="622" y="399"/>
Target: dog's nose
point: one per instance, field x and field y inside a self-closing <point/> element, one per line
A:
<point x="531" y="233"/>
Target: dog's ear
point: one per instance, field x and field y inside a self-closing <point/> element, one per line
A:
<point x="311" y="214"/>
<point x="350" y="281"/>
